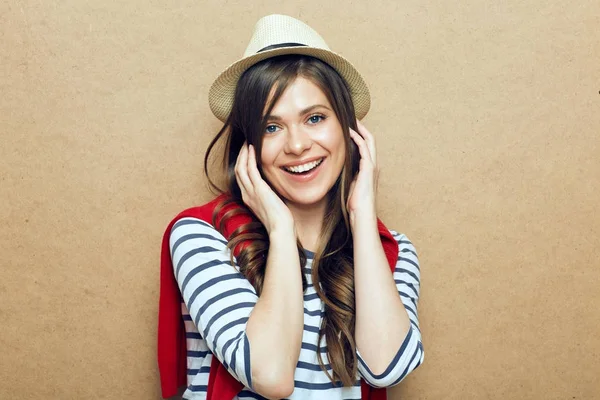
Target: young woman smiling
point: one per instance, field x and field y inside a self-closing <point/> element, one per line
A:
<point x="287" y="283"/>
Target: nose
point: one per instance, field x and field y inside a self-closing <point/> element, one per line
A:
<point x="297" y="140"/>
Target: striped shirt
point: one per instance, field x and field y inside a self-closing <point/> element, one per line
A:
<point x="218" y="300"/>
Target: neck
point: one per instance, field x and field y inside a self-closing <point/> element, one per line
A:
<point x="309" y="221"/>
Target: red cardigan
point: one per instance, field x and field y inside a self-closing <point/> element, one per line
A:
<point x="172" y="352"/>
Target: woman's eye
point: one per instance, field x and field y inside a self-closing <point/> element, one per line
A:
<point x="271" y="128"/>
<point x="315" y="119"/>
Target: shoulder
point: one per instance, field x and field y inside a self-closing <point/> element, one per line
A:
<point x="195" y="221"/>
<point x="223" y="213"/>
<point x="194" y="233"/>
<point x="202" y="212"/>
<point x="408" y="260"/>
<point x="205" y="212"/>
<point x="404" y="243"/>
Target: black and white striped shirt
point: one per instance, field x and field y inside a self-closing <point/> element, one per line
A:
<point x="218" y="301"/>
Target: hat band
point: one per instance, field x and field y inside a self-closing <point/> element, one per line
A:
<point x="279" y="45"/>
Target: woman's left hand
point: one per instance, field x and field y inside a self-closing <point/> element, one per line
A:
<point x="361" y="200"/>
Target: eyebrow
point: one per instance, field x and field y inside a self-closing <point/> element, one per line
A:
<point x="303" y="112"/>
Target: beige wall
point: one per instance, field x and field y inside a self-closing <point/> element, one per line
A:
<point x="487" y="120"/>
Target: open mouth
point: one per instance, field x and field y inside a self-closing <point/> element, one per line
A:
<point x="304" y="168"/>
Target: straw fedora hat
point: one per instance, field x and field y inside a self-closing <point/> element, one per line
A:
<point x="276" y="35"/>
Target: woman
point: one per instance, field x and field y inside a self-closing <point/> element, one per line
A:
<point x="321" y="301"/>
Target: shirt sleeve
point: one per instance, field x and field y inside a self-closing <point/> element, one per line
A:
<point x="218" y="297"/>
<point x="410" y="355"/>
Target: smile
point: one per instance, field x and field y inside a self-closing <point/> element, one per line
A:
<point x="304" y="168"/>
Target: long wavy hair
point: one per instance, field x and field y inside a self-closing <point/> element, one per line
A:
<point x="258" y="90"/>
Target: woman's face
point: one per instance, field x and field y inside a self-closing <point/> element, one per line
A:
<point x="303" y="150"/>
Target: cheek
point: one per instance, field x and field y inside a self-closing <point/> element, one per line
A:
<point x="268" y="158"/>
<point x="266" y="155"/>
<point x="331" y="137"/>
<point x="339" y="147"/>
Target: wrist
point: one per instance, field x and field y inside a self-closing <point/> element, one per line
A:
<point x="283" y="233"/>
<point x="281" y="225"/>
<point x="363" y="219"/>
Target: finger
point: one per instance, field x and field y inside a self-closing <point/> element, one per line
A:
<point x="350" y="192"/>
<point x="351" y="189"/>
<point x="253" y="172"/>
<point x="237" y="161"/>
<point x="364" y="132"/>
<point x="369" y="138"/>
<point x="364" y="152"/>
<point x="241" y="171"/>
<point x="236" y="169"/>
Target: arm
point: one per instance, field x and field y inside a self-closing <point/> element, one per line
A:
<point x="381" y="319"/>
<point x="408" y="354"/>
<point x="276" y="324"/>
<point x="383" y="332"/>
<point x="224" y="305"/>
<point x="217" y="296"/>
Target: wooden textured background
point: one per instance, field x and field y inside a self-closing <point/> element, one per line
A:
<point x="487" y="119"/>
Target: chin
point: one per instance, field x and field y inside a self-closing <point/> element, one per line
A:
<point x="306" y="198"/>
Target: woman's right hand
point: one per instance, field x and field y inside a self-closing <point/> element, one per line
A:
<point x="259" y="196"/>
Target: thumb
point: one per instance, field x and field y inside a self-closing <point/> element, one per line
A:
<point x="350" y="193"/>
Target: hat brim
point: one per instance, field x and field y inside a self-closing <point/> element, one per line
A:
<point x="222" y="91"/>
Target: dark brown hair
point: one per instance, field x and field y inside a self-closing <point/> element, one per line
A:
<point x="332" y="269"/>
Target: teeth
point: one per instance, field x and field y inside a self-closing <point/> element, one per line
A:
<point x="304" y="167"/>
